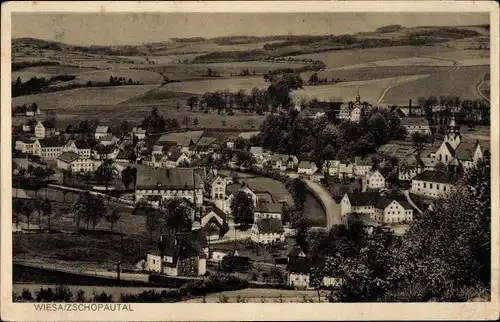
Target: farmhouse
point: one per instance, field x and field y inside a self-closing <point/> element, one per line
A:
<point x="360" y="202"/>
<point x="364" y="219"/>
<point x="108" y="140"/>
<point x="25" y="145"/>
<point x="353" y="111"/>
<point x="75" y="163"/>
<point x="44" y="129"/>
<point x="102" y="131"/>
<point x="375" y="180"/>
<point x="331" y="167"/>
<point x="214" y="223"/>
<point x="346" y="170"/>
<point x="32" y="110"/>
<point x="266" y="210"/>
<point x="284" y="162"/>
<point x="390" y="211"/>
<point x="170" y="184"/>
<point x="267" y="231"/>
<point x="48" y="148"/>
<point x="410" y="167"/>
<point x="175" y="158"/>
<point x="79" y="147"/>
<point x="182" y="255"/>
<point x="298" y="268"/>
<point x="416" y="125"/>
<point x="362" y="166"/>
<point x="307" y="168"/>
<point x="259" y="154"/>
<point x="434" y="183"/>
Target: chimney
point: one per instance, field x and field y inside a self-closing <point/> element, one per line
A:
<point x="409" y="108"/>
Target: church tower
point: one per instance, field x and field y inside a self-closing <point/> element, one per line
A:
<point x="452" y="135"/>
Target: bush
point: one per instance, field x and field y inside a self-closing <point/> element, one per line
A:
<point x="26" y="295"/>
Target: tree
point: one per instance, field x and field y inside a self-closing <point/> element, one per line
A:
<point x="112" y="218"/>
<point x="128" y="176"/>
<point x="49" y="172"/>
<point x="25" y="208"/>
<point x="177" y="215"/>
<point x="418" y="141"/>
<point x="89" y="208"/>
<point x="186" y="120"/>
<point x="30" y="170"/>
<point x="192" y="102"/>
<point x="242" y="208"/>
<point x="440" y="166"/>
<point x="106" y="172"/>
<point x="152" y="220"/>
<point x="47" y="210"/>
<point x="195" y="121"/>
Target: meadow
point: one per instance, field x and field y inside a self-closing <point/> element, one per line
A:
<point x="211" y="85"/>
<point x="69" y="99"/>
<point x="400" y="62"/>
<point x="461" y="82"/>
<point x="96" y="76"/>
<point x="370" y="90"/>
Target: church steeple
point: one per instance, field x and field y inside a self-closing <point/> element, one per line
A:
<point x="358" y="98"/>
<point x="452" y="133"/>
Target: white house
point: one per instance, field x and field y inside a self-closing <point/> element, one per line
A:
<point x="108" y="140"/>
<point x="389" y="211"/>
<point x="175" y="159"/>
<point x="375" y="180"/>
<point x="360" y="202"/>
<point x="233" y="188"/>
<point x="298" y="268"/>
<point x="416" y="125"/>
<point x="266" y="210"/>
<point x="79" y="147"/>
<point x="48" y="148"/>
<point x="284" y="162"/>
<point x="139" y="133"/>
<point x="266" y="231"/>
<point x="102" y="131"/>
<point x="218" y="195"/>
<point x="410" y="167"/>
<point x="346" y="170"/>
<point x="44" y="129"/>
<point x="331" y="168"/>
<point x="434" y="183"/>
<point x="353" y="111"/>
<point x="74" y="162"/>
<point x="362" y="166"/>
<point x="307" y="168"/>
<point x="25" y="146"/>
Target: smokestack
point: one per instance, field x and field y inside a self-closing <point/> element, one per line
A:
<point x="409" y="106"/>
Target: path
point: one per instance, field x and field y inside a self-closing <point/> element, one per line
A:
<point x="125" y="202"/>
<point x="332" y="210"/>
<point x="407" y="195"/>
<point x="478" y="89"/>
<point x="403" y="81"/>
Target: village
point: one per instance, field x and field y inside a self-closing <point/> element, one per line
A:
<point x="219" y="220"/>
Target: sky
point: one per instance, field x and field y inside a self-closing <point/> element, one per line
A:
<point x="137" y="28"/>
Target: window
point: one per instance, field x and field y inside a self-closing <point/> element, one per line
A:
<point x="425" y="185"/>
<point x="430" y="185"/>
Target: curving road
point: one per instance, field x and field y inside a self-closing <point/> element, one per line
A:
<point x="478" y="89"/>
<point x="332" y="209"/>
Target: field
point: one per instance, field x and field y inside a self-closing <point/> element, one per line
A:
<point x="55" y="70"/>
<point x="370" y="90"/>
<point x="461" y="82"/>
<point x="69" y="99"/>
<point x="406" y="62"/>
<point x="141" y="76"/>
<point x="342" y="58"/>
<point x="212" y="85"/>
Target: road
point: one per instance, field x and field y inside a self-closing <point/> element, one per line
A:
<point x="332" y="209"/>
<point x="478" y="89"/>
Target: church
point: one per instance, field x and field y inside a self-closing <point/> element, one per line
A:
<point x="455" y="152"/>
<point x="354" y="111"/>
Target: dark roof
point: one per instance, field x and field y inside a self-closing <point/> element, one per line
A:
<point x="122" y="155"/>
<point x="205" y="142"/>
<point x="233" y="188"/>
<point x="363" y="198"/>
<point x="175" y="155"/>
<point x="295" y="252"/>
<point x="267" y="207"/>
<point x="217" y="211"/>
<point x="306" y="164"/>
<point x="269" y="225"/>
<point x="399" y="113"/>
<point x="51" y="142"/>
<point x="173" y="179"/>
<point x="415" y="121"/>
<point x="81" y="145"/>
<point x="48" y="124"/>
<point x="465" y="151"/>
<point x="450" y="148"/>
<point x="68" y="157"/>
<point x="365" y="219"/>
<point x="27" y="140"/>
<point x="299" y="265"/>
<point x="437" y="176"/>
<point x="183" y="245"/>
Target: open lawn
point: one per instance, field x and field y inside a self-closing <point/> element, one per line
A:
<point x="161" y="95"/>
<point x="370" y="90"/>
<point x="211" y="85"/>
<point x="341" y="58"/>
<point x="70" y="99"/>
<point x="461" y="82"/>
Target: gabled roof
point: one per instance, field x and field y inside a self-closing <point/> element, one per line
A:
<point x="122" y="155"/>
<point x="306" y="165"/>
<point x="269" y="226"/>
<point x="450" y="148"/>
<point x="256" y="150"/>
<point x="299" y="265"/>
<point x="138" y="130"/>
<point x="102" y="129"/>
<point x="26" y="141"/>
<point x="233" y="188"/>
<point x="205" y="142"/>
<point x="465" y="151"/>
<point x="437" y="176"/>
<point x="266" y="207"/>
<point x="363" y="198"/>
<point x="331" y="163"/>
<point x="217" y="211"/>
<point x="363" y="218"/>
<point x="296" y="252"/>
<point x="175" y="155"/>
<point x="51" y="142"/>
<point x="358" y="161"/>
<point x="168" y="179"/>
<point x="346" y="168"/>
<point x="47" y="124"/>
<point x="414" y="121"/>
<point x="107" y="137"/>
<point x="81" y="145"/>
<point x="68" y="157"/>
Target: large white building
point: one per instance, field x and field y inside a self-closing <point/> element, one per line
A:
<point x="434" y="183"/>
<point x="416" y="125"/>
<point x="48" y="148"/>
<point x="267" y="231"/>
<point x="353" y="111"/>
<point x="44" y="129"/>
<point x="75" y="162"/>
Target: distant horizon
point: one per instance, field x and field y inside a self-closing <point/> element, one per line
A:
<point x="135" y="29"/>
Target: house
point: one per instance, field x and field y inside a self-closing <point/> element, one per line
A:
<point x="122" y="156"/>
<point x="407" y="111"/>
<point x="48" y="148"/>
<point x="298" y="268"/>
<point x="410" y="167"/>
<point x="331" y="168"/>
<point x="317" y="176"/>
<point x="267" y="231"/>
<point x="284" y="162"/>
<point x="353" y="111"/>
<point x="214" y="223"/>
<point x="434" y="183"/>
<point x="346" y="170"/>
<point x="175" y="158"/>
<point x="79" y="147"/>
<point x="389" y="211"/>
<point x="375" y="180"/>
<point x="25" y="145"/>
<point x="259" y="154"/>
<point x="358" y="202"/>
<point x="469" y="154"/>
<point x="362" y="166"/>
<point x="217" y="187"/>
<point x="416" y="125"/>
<point x="307" y="168"/>
<point x="265" y="210"/>
<point x="233" y="188"/>
<point x="139" y="133"/>
<point x="170" y="184"/>
<point x="32" y="110"/>
<point x="184" y="254"/>
<point x="205" y="146"/>
<point x="44" y="129"/>
<point x="75" y="163"/>
<point x="101" y="131"/>
<point x="107" y="140"/>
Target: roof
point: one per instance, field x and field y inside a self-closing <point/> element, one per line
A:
<point x="414" y="121"/>
<point x="26" y="141"/>
<point x="102" y="129"/>
<point x="183" y="245"/>
<point x="437" y="176"/>
<point x="68" y="157"/>
<point x="346" y="168"/>
<point x="233" y="188"/>
<point x="122" y="155"/>
<point x="363" y="198"/>
<point x="168" y="179"/>
<point x="266" y="207"/>
<point x="269" y="225"/>
<point x="331" y="163"/>
<point x="412" y="161"/>
<point x="81" y="145"/>
<point x="256" y="150"/>
<point x="363" y="161"/>
<point x="217" y="211"/>
<point x="299" y="265"/>
<point x="51" y="142"/>
<point x="48" y="124"/>
<point x="282" y="157"/>
<point x="450" y="148"/>
<point x="306" y="165"/>
<point x="139" y="130"/>
<point x="175" y="155"/>
<point x="465" y="151"/>
<point x="295" y="252"/>
<point x="107" y="137"/>
<point x="205" y="142"/>
<point x="265" y="196"/>
<point x="399" y="113"/>
<point x="365" y="219"/>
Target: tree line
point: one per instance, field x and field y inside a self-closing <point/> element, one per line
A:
<point x="15" y="66"/>
<point x="156" y="123"/>
<point x="468" y="112"/>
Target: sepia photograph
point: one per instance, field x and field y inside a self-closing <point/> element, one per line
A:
<point x="248" y="157"/>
